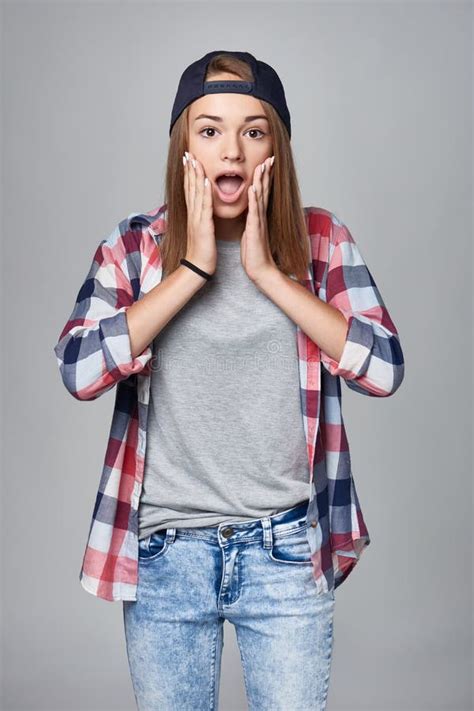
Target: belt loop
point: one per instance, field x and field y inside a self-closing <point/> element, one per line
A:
<point x="267" y="532"/>
<point x="170" y="535"/>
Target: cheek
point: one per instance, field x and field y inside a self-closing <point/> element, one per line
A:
<point x="202" y="156"/>
<point x="198" y="148"/>
<point x="195" y="147"/>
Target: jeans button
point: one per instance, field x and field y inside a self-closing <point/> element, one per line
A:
<point x="227" y="531"/>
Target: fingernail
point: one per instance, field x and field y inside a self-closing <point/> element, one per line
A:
<point x="193" y="162"/>
<point x="263" y="167"/>
<point x="186" y="154"/>
<point x="272" y="160"/>
<point x="184" y="160"/>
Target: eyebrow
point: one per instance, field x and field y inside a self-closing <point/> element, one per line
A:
<point x="219" y="118"/>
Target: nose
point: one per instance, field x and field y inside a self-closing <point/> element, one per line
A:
<point x="232" y="151"/>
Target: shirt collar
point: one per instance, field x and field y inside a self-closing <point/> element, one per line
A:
<point x="155" y="221"/>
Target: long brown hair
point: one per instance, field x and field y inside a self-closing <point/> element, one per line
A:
<point x="288" y="238"/>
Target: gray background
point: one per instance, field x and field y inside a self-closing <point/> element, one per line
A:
<point x="380" y="97"/>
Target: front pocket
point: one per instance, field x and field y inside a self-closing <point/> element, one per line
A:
<point x="292" y="547"/>
<point x="153" y="546"/>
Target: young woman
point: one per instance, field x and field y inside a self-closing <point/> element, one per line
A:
<point x="226" y="319"/>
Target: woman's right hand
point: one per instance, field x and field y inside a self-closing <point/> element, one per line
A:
<point x="201" y="247"/>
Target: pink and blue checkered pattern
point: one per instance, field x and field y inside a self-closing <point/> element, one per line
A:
<point x="93" y="355"/>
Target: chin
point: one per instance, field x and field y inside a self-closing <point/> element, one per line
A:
<point x="230" y="211"/>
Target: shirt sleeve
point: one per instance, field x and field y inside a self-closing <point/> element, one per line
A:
<point x="93" y="350"/>
<point x="372" y="360"/>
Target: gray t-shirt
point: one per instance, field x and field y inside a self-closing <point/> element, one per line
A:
<point x="225" y="437"/>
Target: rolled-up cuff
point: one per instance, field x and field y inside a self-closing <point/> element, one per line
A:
<point x="355" y="357"/>
<point x="116" y="346"/>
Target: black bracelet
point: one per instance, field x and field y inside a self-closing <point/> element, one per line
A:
<point x="196" y="269"/>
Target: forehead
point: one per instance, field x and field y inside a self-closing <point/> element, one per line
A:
<point x="228" y="105"/>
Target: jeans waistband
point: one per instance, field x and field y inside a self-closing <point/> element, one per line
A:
<point x="244" y="531"/>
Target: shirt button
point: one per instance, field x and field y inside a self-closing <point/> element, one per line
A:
<point x="314" y="524"/>
<point x="227" y="531"/>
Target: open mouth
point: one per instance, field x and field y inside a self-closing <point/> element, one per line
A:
<point x="229" y="188"/>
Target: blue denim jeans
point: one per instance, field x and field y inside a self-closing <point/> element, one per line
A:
<point x="256" y="574"/>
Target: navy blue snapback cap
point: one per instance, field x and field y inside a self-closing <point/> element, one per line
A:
<point x="266" y="85"/>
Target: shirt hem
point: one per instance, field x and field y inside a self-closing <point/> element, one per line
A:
<point x="112" y="598"/>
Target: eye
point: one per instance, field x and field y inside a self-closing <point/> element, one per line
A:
<point x="207" y="129"/>
<point x="253" y="130"/>
<point x="258" y="131"/>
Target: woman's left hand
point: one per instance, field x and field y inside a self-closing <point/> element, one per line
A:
<point x="255" y="251"/>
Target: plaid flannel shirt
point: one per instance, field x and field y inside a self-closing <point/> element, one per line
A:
<point x="94" y="354"/>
